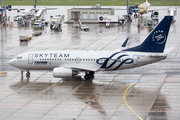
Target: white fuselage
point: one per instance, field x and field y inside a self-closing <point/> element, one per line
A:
<point x="83" y="60"/>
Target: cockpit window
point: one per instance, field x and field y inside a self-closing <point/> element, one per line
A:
<point x="19" y="57"/>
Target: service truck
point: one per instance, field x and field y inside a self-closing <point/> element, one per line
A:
<point x="55" y="23"/>
<point x="108" y="18"/>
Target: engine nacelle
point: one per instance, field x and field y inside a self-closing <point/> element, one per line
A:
<point x="61" y="72"/>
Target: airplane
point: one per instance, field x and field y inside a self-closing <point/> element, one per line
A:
<point x="143" y="8"/>
<point x="27" y="13"/>
<point x="69" y="63"/>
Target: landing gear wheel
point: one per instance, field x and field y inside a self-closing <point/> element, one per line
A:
<point x="86" y="77"/>
<point x="135" y="15"/>
<point x="91" y="72"/>
<point x="28" y="74"/>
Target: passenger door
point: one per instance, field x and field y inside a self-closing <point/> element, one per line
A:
<point x="30" y="58"/>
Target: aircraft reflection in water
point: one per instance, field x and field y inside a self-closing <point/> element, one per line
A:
<point x="73" y="94"/>
<point x="70" y="63"/>
<point x="89" y="96"/>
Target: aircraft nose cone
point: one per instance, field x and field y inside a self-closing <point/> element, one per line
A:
<point x="12" y="62"/>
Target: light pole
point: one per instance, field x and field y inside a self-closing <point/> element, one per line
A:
<point x="1" y="9"/>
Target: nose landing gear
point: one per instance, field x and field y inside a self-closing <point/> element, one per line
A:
<point x="28" y="74"/>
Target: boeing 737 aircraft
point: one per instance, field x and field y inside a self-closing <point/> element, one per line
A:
<point x="69" y="63"/>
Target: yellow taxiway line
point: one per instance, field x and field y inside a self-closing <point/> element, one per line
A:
<point x="128" y="105"/>
<point x="113" y="38"/>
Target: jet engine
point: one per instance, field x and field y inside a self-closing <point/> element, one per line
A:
<point x="62" y="72"/>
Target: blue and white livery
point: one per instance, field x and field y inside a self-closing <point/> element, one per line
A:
<point x="69" y="63"/>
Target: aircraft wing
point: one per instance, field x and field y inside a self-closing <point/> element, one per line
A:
<point x="83" y="67"/>
<point x="51" y="8"/>
<point x="15" y="9"/>
<point x="152" y="10"/>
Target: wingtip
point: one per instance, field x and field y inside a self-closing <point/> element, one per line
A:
<point x="125" y="43"/>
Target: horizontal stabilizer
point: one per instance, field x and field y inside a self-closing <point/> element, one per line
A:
<point x="167" y="51"/>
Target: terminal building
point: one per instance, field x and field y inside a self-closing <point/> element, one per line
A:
<point x="87" y="15"/>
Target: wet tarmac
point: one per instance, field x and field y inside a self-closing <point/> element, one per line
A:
<point x="149" y="92"/>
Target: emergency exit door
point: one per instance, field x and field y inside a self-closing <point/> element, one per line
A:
<point x="30" y="58"/>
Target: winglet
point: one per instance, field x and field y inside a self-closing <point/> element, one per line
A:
<point x="125" y="43"/>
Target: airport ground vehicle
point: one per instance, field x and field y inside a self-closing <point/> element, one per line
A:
<point x="37" y="33"/>
<point x="84" y="27"/>
<point x="38" y="24"/>
<point x="24" y="37"/>
<point x="55" y="23"/>
<point x="107" y="24"/>
<point x="18" y="17"/>
<point x="108" y="18"/>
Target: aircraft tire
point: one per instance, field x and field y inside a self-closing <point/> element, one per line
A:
<point x="28" y="74"/>
<point x="86" y="77"/>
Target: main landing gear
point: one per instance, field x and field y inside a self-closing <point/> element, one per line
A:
<point x="89" y="75"/>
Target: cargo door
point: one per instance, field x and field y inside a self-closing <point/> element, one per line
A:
<point x="30" y="58"/>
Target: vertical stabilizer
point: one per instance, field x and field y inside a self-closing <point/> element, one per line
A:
<point x="35" y="3"/>
<point x="156" y="40"/>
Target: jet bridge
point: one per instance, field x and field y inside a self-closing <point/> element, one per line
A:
<point x="75" y="16"/>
